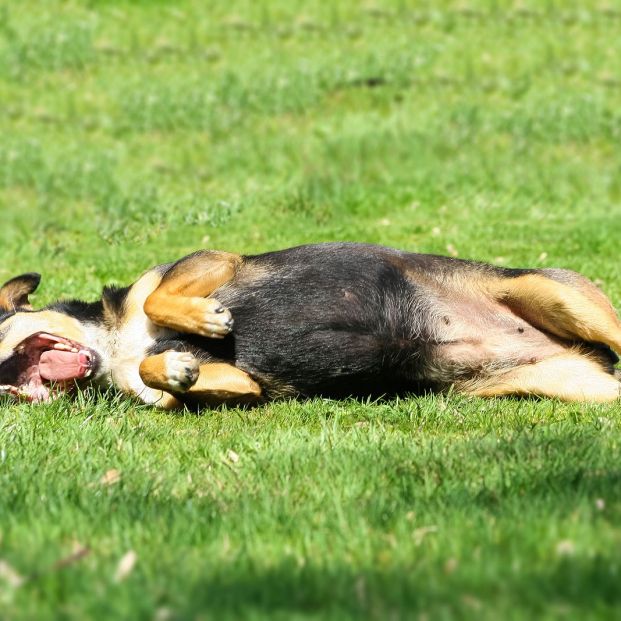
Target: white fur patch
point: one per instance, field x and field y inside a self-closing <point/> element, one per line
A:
<point x="182" y="370"/>
<point x="130" y="341"/>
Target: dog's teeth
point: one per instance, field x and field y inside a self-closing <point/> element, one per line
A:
<point x="20" y="348"/>
<point x="74" y="350"/>
<point x="88" y="373"/>
<point x="62" y="347"/>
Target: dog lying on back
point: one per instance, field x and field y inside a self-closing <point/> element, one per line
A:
<point x="329" y="319"/>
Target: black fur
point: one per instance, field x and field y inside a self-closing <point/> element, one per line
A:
<point x="331" y="319"/>
<point x="336" y="331"/>
<point x="114" y="299"/>
<point x="4" y="316"/>
<point x="86" y="312"/>
<point x="112" y="303"/>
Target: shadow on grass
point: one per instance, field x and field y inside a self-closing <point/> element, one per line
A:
<point x="579" y="585"/>
<point x="329" y="585"/>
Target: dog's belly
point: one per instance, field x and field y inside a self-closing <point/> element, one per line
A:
<point x="485" y="337"/>
<point x="401" y="350"/>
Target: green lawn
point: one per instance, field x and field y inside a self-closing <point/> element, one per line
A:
<point x="134" y="133"/>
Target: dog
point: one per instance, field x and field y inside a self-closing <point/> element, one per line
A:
<point x="335" y="320"/>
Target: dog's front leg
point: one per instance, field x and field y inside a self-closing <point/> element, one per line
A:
<point x="173" y="371"/>
<point x="181" y="373"/>
<point x="181" y="301"/>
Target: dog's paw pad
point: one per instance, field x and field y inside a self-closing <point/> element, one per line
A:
<point x="182" y="370"/>
<point x="216" y="321"/>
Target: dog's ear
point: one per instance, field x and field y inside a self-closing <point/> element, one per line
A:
<point x="14" y="293"/>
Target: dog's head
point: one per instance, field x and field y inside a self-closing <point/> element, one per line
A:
<point x="42" y="352"/>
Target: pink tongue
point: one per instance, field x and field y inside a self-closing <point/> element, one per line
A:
<point x="57" y="365"/>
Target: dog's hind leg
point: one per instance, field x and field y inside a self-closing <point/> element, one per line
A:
<point x="222" y="382"/>
<point x="569" y="377"/>
<point x="562" y="303"/>
<point x="181" y="373"/>
<point x="180" y="301"/>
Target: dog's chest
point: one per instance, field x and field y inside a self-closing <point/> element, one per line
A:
<point x="133" y="338"/>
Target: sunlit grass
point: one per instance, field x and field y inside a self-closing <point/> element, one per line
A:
<point x="134" y="133"/>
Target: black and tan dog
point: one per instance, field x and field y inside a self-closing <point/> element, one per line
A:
<point x="327" y="319"/>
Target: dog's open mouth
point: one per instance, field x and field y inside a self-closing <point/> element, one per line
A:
<point x="44" y="365"/>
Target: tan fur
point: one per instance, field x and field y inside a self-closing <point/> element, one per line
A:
<point x="576" y="312"/>
<point x="569" y="377"/>
<point x="15" y="329"/>
<point x="14" y="293"/>
<point x="213" y="381"/>
<point x="153" y="372"/>
<point x="223" y="381"/>
<point x="173" y="371"/>
<point x="179" y="302"/>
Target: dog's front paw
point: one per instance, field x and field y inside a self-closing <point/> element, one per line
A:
<point x="210" y="318"/>
<point x="181" y="370"/>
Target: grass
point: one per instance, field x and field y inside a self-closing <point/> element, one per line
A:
<point x="133" y="133"/>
